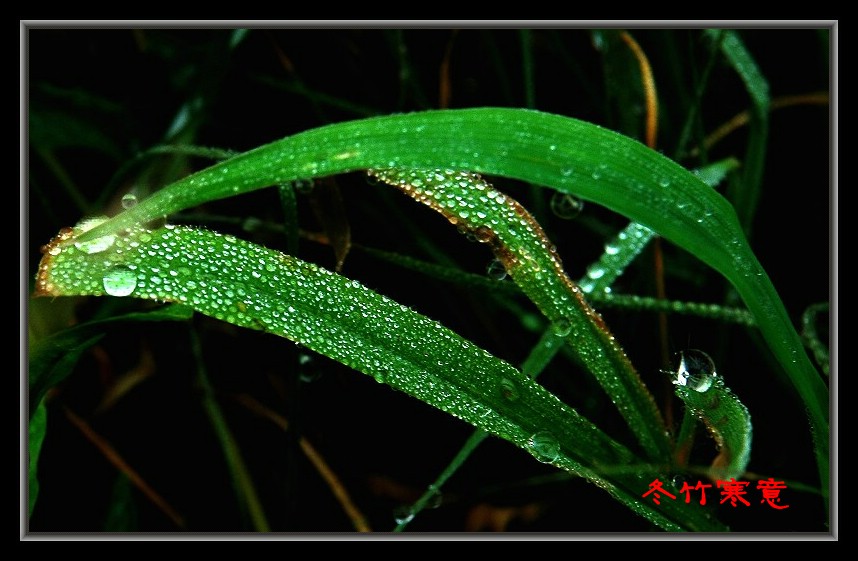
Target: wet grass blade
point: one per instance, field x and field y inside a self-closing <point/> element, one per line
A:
<point x="745" y="194"/>
<point x="253" y="287"/>
<point x="36" y="431"/>
<point x="565" y="154"/>
<point x="706" y="396"/>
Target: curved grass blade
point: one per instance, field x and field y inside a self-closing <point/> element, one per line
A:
<point x="257" y="288"/>
<point x="568" y="155"/>
<point x="245" y="490"/>
<point x="36" y="431"/>
<point x="703" y="391"/>
<point x="745" y="194"/>
<point x="518" y="241"/>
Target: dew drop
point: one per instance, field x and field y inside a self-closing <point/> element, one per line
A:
<point x="483" y="234"/>
<point x="664" y="182"/>
<point x="595" y="271"/>
<point x="97" y="245"/>
<point x="696" y="370"/>
<point x="509" y="390"/>
<point x="119" y="281"/>
<point x="566" y="206"/>
<point x="435" y="499"/>
<point x="678" y="481"/>
<point x="403" y="514"/>
<point x="612" y="249"/>
<point x="544" y="447"/>
<point x="496" y="270"/>
<point x="562" y="327"/>
<point x="129" y="200"/>
<point x="309" y="371"/>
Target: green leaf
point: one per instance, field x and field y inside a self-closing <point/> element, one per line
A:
<point x="745" y="194"/>
<point x="38" y="428"/>
<point x="568" y="155"/>
<point x="250" y="286"/>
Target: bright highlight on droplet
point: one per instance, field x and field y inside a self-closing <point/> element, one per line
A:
<point x="403" y="514"/>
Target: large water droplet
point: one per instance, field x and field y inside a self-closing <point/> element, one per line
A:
<point x="509" y="389"/>
<point x="561" y="327"/>
<point x="129" y="200"/>
<point x="381" y="376"/>
<point x="119" y="281"/>
<point x="496" y="270"/>
<point x="696" y="370"/>
<point x="544" y="447"/>
<point x="403" y="514"/>
<point x="97" y="245"/>
<point x="566" y="206"/>
<point x="435" y="499"/>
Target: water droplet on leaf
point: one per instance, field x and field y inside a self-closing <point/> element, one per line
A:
<point x="696" y="370"/>
<point x="435" y="499"/>
<point x="566" y="206"/>
<point x="562" y="327"/>
<point x="129" y="200"/>
<point x="595" y="271"/>
<point x="509" y="389"/>
<point x="97" y="245"/>
<point x="544" y="447"/>
<point x="119" y="281"/>
<point x="403" y="514"/>
<point x="496" y="270"/>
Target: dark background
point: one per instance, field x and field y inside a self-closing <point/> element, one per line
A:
<point x="98" y="97"/>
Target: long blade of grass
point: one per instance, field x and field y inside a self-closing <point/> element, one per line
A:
<point x="568" y="155"/>
<point x="257" y="288"/>
<point x="746" y="194"/>
<point x="36" y="431"/>
<point x="245" y="489"/>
